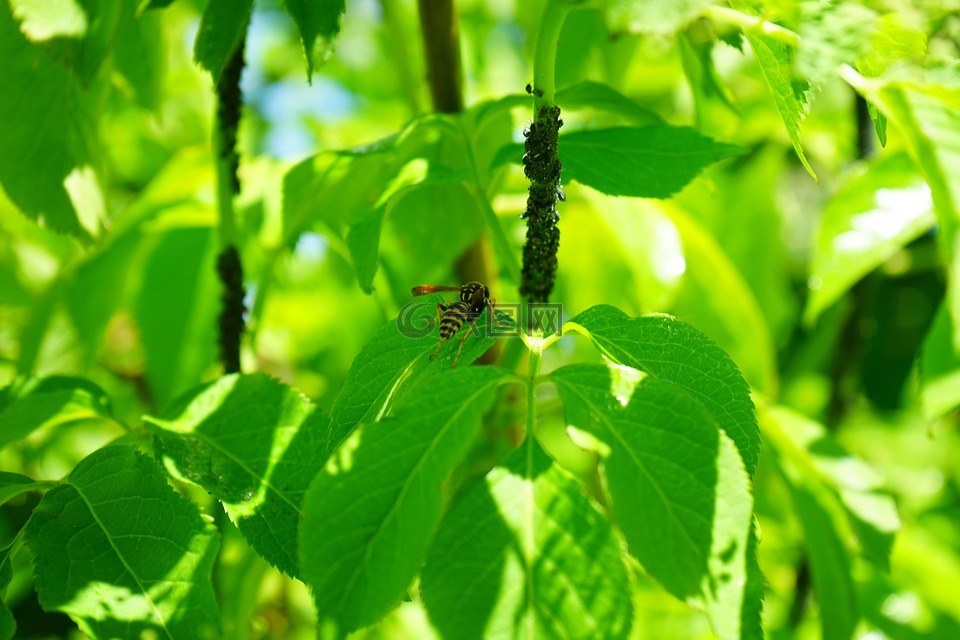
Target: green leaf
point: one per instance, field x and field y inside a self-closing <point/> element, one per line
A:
<point x="677" y="484"/>
<point x="49" y="402"/>
<point x="47" y="159"/>
<point x="8" y="625"/>
<point x="646" y="162"/>
<point x="832" y="33"/>
<point x="120" y="552"/>
<point x="78" y="33"/>
<point x="713" y="292"/>
<point x="676" y="352"/>
<point x="940" y="368"/>
<point x="222" y="28"/>
<point x="842" y="484"/>
<point x="927" y="111"/>
<point x="716" y="112"/>
<point x="176" y="310"/>
<point x="664" y="17"/>
<point x="602" y="97"/>
<point x="255" y="444"/>
<point x="789" y="94"/>
<point x="139" y="57"/>
<point x="396" y="360"/>
<point x="370" y="513"/>
<point x="873" y="215"/>
<point x="525" y="554"/>
<point x="319" y="23"/>
<point x="363" y="240"/>
<point x="14" y="484"/>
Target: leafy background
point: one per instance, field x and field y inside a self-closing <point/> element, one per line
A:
<point x="823" y="263"/>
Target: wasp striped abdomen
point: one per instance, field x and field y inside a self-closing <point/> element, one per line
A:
<point x="474" y="299"/>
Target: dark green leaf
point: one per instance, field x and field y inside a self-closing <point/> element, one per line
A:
<point x="222" y="28"/>
<point x="255" y="444"/>
<point x="874" y="215"/>
<point x="528" y="523"/>
<point x="47" y="155"/>
<point x="677" y="484"/>
<point x="8" y="626"/>
<point x="647" y="162"/>
<point x="176" y="310"/>
<point x="157" y="4"/>
<point x="396" y="360"/>
<point x="117" y="549"/>
<point x="370" y="513"/>
<point x="319" y="23"/>
<point x="49" y="402"/>
<point x="13" y="484"/>
<point x="676" y="352"/>
<point x="940" y="368"/>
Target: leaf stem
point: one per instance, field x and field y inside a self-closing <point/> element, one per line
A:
<point x="545" y="52"/>
<point x="751" y="24"/>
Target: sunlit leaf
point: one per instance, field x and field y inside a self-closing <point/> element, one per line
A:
<point x="652" y="16"/>
<point x="832" y="33"/>
<point x="47" y="158"/>
<point x="676" y="352"/>
<point x="940" y="368"/>
<point x="120" y="552"/>
<point x="602" y="97"/>
<point x="524" y="554"/>
<point x="222" y="28"/>
<point x="370" y="513"/>
<point x="647" y="162"/>
<point x="874" y="214"/>
<point x="49" y="402"/>
<point x="255" y="444"/>
<point x="677" y="484"/>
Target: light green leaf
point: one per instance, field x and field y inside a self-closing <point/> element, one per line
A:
<point x="525" y="554"/>
<point x="370" y="513"/>
<point x="646" y="162"/>
<point x="874" y="214"/>
<point x="940" y="368"/>
<point x="49" y="402"/>
<point x="255" y="444"/>
<point x="319" y="23"/>
<point x="78" y="33"/>
<point x="676" y="352"/>
<point x="47" y="159"/>
<point x="363" y="240"/>
<point x="715" y="111"/>
<point x="927" y="111"/>
<point x="396" y="360"/>
<point x="677" y="485"/>
<point x="847" y="487"/>
<point x="222" y="28"/>
<point x="713" y="293"/>
<point x="652" y="16"/>
<point x="14" y="484"/>
<point x="832" y="33"/>
<point x="602" y="97"/>
<point x="176" y="310"/>
<point x="120" y="552"/>
<point x="789" y="94"/>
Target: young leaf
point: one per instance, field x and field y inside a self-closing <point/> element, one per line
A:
<point x="940" y="368"/>
<point x="789" y="94"/>
<point x="396" y="360"/>
<point x="222" y="27"/>
<point x="645" y="162"/>
<point x="874" y="215"/>
<point x="49" y="402"/>
<point x="319" y="24"/>
<point x="664" y="17"/>
<point x="122" y="554"/>
<point x="832" y="33"/>
<point x="370" y="513"/>
<point x="255" y="444"/>
<point x="676" y="352"/>
<point x="46" y="159"/>
<point x="677" y="485"/>
<point x="13" y="484"/>
<point x="525" y="554"/>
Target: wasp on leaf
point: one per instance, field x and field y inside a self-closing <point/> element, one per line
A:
<point x="474" y="298"/>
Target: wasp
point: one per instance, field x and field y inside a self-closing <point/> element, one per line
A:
<point x="474" y="298"/>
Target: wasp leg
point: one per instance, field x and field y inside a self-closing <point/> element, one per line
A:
<point x="441" y="308"/>
<point x="472" y="327"/>
<point x="493" y="315"/>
